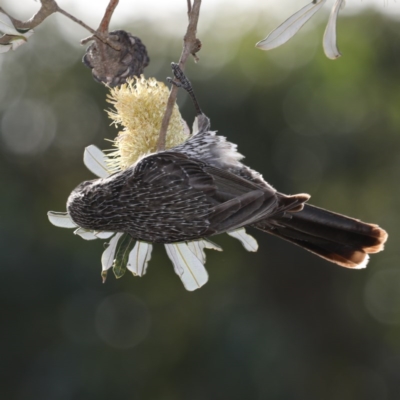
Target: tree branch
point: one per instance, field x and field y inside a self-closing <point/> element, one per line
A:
<point x="49" y="7"/>
<point x="78" y="21"/>
<point x="189" y="7"/>
<point x="105" y="22"/>
<point x="102" y="31"/>
<point x="191" y="45"/>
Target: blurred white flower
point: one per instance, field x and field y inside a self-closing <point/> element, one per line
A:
<point x="292" y="25"/>
<point x="123" y="252"/>
<point x="17" y="36"/>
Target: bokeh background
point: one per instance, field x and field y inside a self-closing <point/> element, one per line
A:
<point x="276" y="324"/>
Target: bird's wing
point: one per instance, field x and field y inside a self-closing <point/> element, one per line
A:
<point x="170" y="197"/>
<point x="242" y="202"/>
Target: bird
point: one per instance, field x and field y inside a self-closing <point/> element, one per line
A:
<point x="200" y="188"/>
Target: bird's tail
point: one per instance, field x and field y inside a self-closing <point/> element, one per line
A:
<point x="337" y="238"/>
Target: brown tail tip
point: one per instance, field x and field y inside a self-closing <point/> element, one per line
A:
<point x="359" y="259"/>
<point x="297" y="201"/>
<point x="381" y="237"/>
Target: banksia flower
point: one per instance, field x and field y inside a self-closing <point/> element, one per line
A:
<point x="139" y="106"/>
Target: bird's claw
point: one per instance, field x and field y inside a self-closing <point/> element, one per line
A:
<point x="181" y="79"/>
<point x="173" y="82"/>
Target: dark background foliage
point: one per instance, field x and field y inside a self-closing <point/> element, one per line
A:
<point x="277" y="324"/>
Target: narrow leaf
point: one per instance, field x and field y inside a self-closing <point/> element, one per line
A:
<point x="125" y="246"/>
<point x="95" y="161"/>
<point x="103" y="234"/>
<point x="330" y="47"/>
<point x="248" y="242"/>
<point x="107" y="258"/>
<point x="139" y="258"/>
<point x="195" y="126"/>
<point x="21" y="39"/>
<point x="290" y="27"/>
<point x="85" y="234"/>
<point x="61" y="219"/>
<point x="187" y="266"/>
<point x="92" y="235"/>
<point x="197" y="248"/>
<point x="15" y="43"/>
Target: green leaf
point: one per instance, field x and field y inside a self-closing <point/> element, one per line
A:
<point x="125" y="245"/>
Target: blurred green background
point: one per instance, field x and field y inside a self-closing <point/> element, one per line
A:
<point x="277" y="324"/>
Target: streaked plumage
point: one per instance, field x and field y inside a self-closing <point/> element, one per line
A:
<point x="199" y="189"/>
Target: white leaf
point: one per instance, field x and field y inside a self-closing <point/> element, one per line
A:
<point x="21" y="39"/>
<point x="103" y="234"/>
<point x="248" y="242"/>
<point x="139" y="258"/>
<point x="85" y="234"/>
<point x="107" y="258"/>
<point x="61" y="219"/>
<point x="186" y="128"/>
<point x="195" y="126"/>
<point x="27" y="34"/>
<point x="6" y="25"/>
<point x="95" y="161"/>
<point x="187" y="266"/>
<point x="330" y="47"/>
<point x="15" y="43"/>
<point x="197" y="248"/>
<point x="5" y="47"/>
<point x="201" y="124"/>
<point x="290" y="27"/>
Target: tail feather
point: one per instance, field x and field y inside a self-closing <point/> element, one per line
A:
<point x="335" y="237"/>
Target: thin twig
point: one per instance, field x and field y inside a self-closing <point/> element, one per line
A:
<point x="102" y="31"/>
<point x="190" y="46"/>
<point x="49" y="7"/>
<point x="78" y="21"/>
<point x="105" y="22"/>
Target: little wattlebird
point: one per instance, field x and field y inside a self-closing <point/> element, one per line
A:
<point x="200" y="188"/>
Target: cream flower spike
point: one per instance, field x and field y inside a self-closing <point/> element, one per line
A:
<point x="293" y="24"/>
<point x="139" y="108"/>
